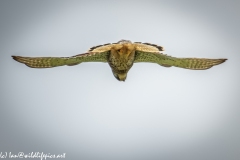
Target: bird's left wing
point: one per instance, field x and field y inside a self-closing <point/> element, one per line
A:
<point x="152" y="54"/>
<point x="98" y="53"/>
<point x="49" y="62"/>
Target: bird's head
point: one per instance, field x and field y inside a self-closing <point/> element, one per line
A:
<point x="120" y="76"/>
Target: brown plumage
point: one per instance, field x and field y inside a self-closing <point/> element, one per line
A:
<point x="121" y="56"/>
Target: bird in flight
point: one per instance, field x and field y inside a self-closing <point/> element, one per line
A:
<point x="120" y="56"/>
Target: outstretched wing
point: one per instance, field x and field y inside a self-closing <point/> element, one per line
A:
<point x="152" y="56"/>
<point x="49" y="62"/>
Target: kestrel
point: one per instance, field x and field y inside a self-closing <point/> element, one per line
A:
<point x="120" y="56"/>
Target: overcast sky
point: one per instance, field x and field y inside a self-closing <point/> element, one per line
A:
<point x="83" y="111"/>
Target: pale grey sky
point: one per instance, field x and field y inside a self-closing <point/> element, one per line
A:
<point x="83" y="111"/>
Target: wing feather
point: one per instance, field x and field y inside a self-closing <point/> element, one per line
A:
<point x="147" y="47"/>
<point x="104" y="47"/>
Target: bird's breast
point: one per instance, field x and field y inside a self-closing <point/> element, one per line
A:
<point x="120" y="62"/>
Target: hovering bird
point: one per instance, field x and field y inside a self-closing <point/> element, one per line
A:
<point x="120" y="56"/>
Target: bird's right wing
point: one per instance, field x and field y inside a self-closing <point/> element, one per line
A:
<point x="49" y="62"/>
<point x="168" y="61"/>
